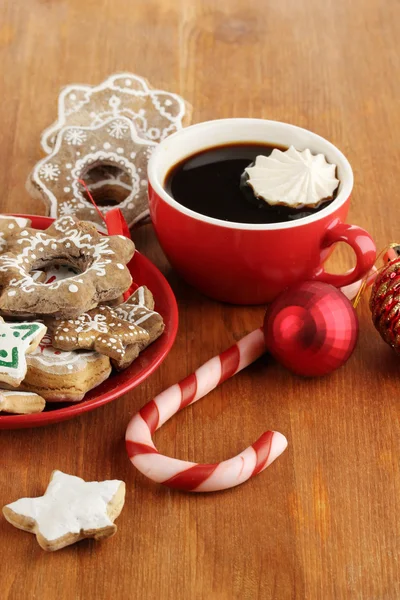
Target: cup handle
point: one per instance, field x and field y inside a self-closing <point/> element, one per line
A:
<point x="363" y="246"/>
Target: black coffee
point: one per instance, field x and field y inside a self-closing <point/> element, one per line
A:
<point x="211" y="183"/>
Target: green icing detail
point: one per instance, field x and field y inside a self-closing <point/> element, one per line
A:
<point x="30" y="329"/>
<point x="16" y="333"/>
<point x="3" y="353"/>
<point x="13" y="363"/>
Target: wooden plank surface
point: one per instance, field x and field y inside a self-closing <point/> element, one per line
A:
<point x="322" y="522"/>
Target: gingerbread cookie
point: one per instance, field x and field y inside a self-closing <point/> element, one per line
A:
<point x="79" y="150"/>
<point x="138" y="310"/>
<point x="17" y="340"/>
<point x="64" y="376"/>
<point x="10" y="227"/>
<point x="70" y="510"/>
<point x="101" y="330"/>
<point x="100" y="260"/>
<point x="21" y="403"/>
<point x="155" y="113"/>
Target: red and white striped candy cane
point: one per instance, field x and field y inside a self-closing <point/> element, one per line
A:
<point x="196" y="477"/>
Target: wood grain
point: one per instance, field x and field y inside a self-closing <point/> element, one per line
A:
<point x="321" y="523"/>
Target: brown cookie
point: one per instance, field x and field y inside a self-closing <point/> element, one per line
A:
<point x="79" y="151"/>
<point x="101" y="330"/>
<point x="63" y="376"/>
<point x="155" y="113"/>
<point x="21" y="403"/>
<point x="10" y="227"/>
<point x="100" y="260"/>
<point x="138" y="310"/>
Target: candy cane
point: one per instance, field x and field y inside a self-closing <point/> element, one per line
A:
<point x="196" y="477"/>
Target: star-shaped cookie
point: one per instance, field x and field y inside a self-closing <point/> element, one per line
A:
<point x="70" y="510"/>
<point x="138" y="310"/>
<point x="17" y="340"/>
<point x="99" y="329"/>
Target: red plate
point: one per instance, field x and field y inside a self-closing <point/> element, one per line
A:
<point x="144" y="273"/>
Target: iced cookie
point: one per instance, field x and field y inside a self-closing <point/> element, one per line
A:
<point x="21" y="403"/>
<point x="139" y="310"/>
<point x="70" y="510"/>
<point x="64" y="376"/>
<point x="101" y="330"/>
<point x="9" y="227"/>
<point x="81" y="149"/>
<point x="100" y="260"/>
<point x="155" y="113"/>
<point x="17" y="340"/>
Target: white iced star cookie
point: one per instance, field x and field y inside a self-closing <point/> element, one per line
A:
<point x="70" y="510"/>
<point x="17" y="340"/>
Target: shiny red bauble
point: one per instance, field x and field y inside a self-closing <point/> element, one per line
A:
<point x="311" y="328"/>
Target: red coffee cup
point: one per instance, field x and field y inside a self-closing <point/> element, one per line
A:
<point x="245" y="263"/>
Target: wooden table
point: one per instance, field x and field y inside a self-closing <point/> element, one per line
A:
<point x="322" y="523"/>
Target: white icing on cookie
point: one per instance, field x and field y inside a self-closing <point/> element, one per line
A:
<point x="69" y="505"/>
<point x="7" y="393"/>
<point x="46" y="358"/>
<point x="121" y="94"/>
<point x="15" y="339"/>
<point x="135" y="313"/>
<point x="36" y="243"/>
<point x="62" y="190"/>
<point x="21" y="221"/>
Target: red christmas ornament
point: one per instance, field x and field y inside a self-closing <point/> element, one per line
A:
<point x="385" y="303"/>
<point x="311" y="328"/>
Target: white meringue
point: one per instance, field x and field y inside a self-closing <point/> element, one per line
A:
<point x="293" y="178"/>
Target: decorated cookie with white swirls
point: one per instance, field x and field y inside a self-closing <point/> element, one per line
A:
<point x="101" y="330"/>
<point x="100" y="261"/>
<point x="60" y="376"/>
<point x="81" y="150"/>
<point x="139" y="311"/>
<point x="11" y="227"/>
<point x="70" y="510"/>
<point x="154" y="113"/>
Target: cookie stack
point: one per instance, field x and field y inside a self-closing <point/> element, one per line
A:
<point x="65" y="323"/>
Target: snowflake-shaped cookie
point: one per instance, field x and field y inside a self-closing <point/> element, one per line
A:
<point x="70" y="510"/>
<point x="155" y="113"/>
<point x="99" y="260"/>
<point x="78" y="152"/>
<point x="101" y="330"/>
